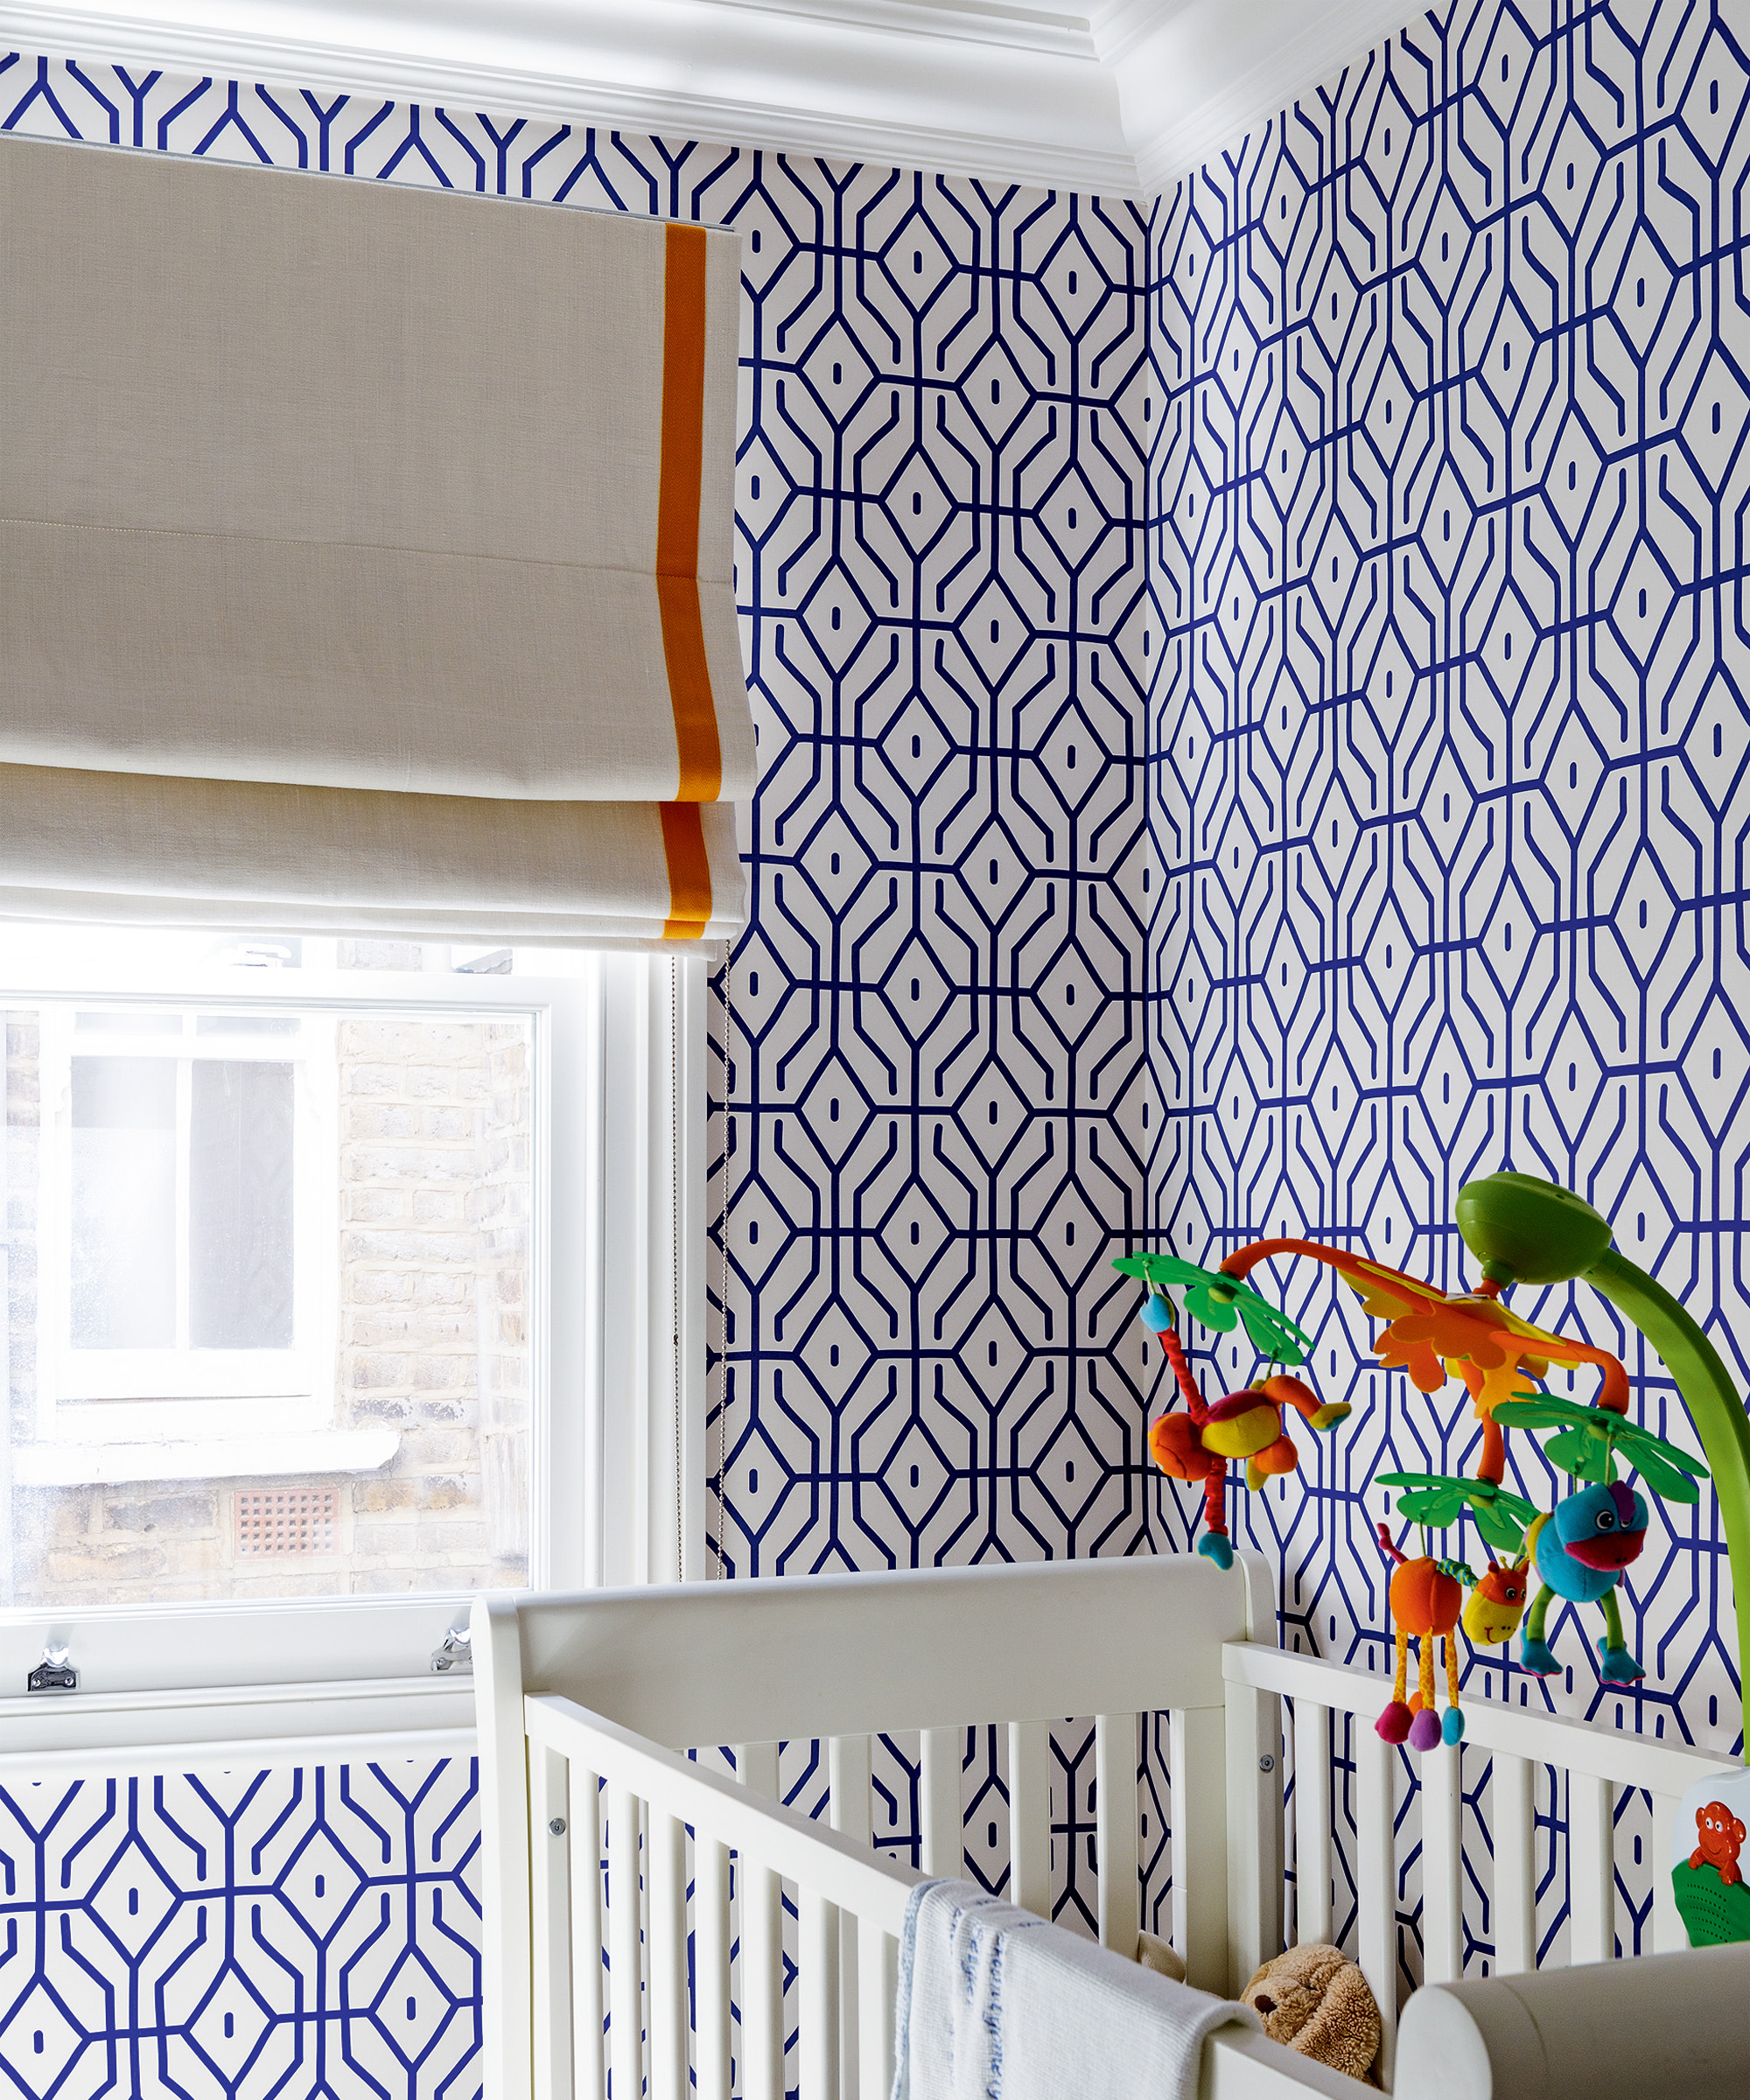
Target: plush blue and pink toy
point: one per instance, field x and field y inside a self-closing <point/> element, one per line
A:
<point x="1580" y="1552"/>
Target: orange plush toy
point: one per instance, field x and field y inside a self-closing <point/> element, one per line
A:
<point x="1425" y="1598"/>
<point x="1722" y="1839"/>
<point x="1198" y="1445"/>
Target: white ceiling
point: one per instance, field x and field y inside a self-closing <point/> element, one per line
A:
<point x="1116" y="96"/>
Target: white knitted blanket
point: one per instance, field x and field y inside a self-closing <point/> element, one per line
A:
<point x="994" y="2004"/>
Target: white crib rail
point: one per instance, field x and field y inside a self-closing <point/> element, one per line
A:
<point x="653" y="1797"/>
<point x="1596" y="1761"/>
<point x="834" y="1660"/>
<point x="844" y="2040"/>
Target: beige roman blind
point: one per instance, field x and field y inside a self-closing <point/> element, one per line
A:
<point x="365" y="557"/>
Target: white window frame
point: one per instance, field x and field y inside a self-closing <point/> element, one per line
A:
<point x="617" y="1430"/>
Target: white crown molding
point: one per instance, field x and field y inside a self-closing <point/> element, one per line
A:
<point x="1195" y="76"/>
<point x="1120" y="102"/>
<point x="1021" y="27"/>
<point x="1119" y="25"/>
<point x="826" y="83"/>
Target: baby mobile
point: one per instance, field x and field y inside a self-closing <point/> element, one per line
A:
<point x="1522" y="1230"/>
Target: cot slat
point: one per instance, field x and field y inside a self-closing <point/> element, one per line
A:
<point x="1443" y="1957"/>
<point x="1515" y="1893"/>
<point x="711" y="1968"/>
<point x="626" y="1996"/>
<point x="1030" y="1816"/>
<point x="1670" y="1935"/>
<point x="583" y="1838"/>
<point x="848" y="1781"/>
<point x="1254" y="1751"/>
<point x="848" y="1784"/>
<point x="1115" y="1792"/>
<point x="762" y="1946"/>
<point x="817" y="1947"/>
<point x="1375" y="1882"/>
<point x="550" y="1889"/>
<point x="1198" y="1756"/>
<point x="1311" y="1822"/>
<point x="944" y="1848"/>
<point x="666" y="1854"/>
<point x="878" y="1955"/>
<point x="1592" y="1869"/>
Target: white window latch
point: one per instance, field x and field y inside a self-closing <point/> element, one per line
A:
<point x="455" y="1655"/>
<point x="53" y="1673"/>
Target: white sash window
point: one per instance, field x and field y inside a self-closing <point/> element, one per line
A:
<point x="232" y="1222"/>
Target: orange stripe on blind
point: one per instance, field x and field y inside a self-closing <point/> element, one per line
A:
<point x="689" y="874"/>
<point x="677" y="516"/>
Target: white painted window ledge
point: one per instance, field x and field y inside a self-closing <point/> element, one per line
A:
<point x="72" y="1464"/>
<point x="95" y="1735"/>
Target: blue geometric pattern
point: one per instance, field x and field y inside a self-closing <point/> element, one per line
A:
<point x="254" y="1935"/>
<point x="1449" y="748"/>
<point x="933" y="1140"/>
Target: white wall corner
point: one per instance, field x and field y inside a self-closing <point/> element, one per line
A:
<point x="1120" y="99"/>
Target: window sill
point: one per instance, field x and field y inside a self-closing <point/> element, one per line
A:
<point x="211" y="1459"/>
<point x="92" y="1735"/>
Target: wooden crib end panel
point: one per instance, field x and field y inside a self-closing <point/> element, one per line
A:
<point x="797" y="1657"/>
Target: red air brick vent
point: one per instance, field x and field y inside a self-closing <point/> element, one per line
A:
<point x="288" y="1520"/>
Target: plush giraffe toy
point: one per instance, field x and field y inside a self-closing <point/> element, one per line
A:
<point x="1497" y="1603"/>
<point x="1425" y="1599"/>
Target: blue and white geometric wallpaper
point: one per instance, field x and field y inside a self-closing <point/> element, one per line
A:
<point x="1449" y="738"/>
<point x="1250" y="735"/>
<point x="282" y="1933"/>
<point x="934" y="1125"/>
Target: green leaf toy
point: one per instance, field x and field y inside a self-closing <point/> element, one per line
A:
<point x="1223" y="1303"/>
<point x="1592" y="1437"/>
<point x="1439" y="1499"/>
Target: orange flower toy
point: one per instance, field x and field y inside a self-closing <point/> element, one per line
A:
<point x="1470" y="1336"/>
<point x="1199" y="1445"/>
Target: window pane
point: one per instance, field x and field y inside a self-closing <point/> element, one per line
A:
<point x="123" y="1203"/>
<point x="129" y="1023"/>
<point x="363" y="1181"/>
<point x="240" y="1206"/>
<point x="244" y="1024"/>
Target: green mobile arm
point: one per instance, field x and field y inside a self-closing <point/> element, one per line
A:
<point x="1713" y="1401"/>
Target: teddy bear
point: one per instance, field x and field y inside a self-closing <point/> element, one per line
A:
<point x="1312" y="1999"/>
<point x="1160" y="1956"/>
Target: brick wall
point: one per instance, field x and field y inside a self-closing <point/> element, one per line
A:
<point x="434" y="1226"/>
<point x="432" y="1166"/>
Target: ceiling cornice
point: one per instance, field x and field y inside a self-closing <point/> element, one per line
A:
<point x="833" y="80"/>
<point x="1195" y="76"/>
<point x="976" y="21"/>
<point x="1119" y="101"/>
